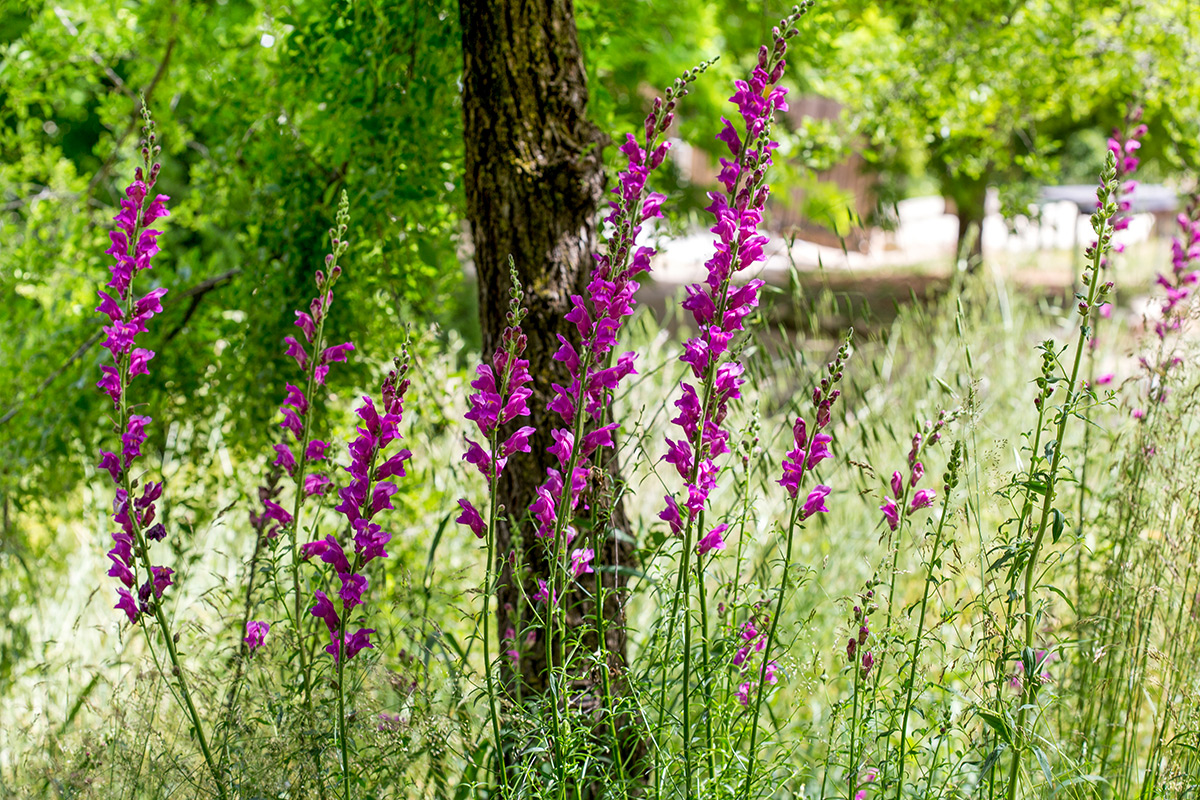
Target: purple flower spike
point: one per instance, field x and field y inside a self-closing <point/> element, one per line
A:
<point x="720" y="305"/>
<point x="134" y="245"/>
<point x="362" y="498"/>
<point x="594" y="369"/>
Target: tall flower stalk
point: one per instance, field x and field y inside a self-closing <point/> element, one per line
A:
<point x="368" y="493"/>
<point x="1108" y="196"/>
<point x="949" y="481"/>
<point x="810" y="448"/>
<point x="906" y="499"/>
<point x="298" y="410"/>
<point x="719" y="310"/>
<point x="595" y="372"/>
<point x="134" y="244"/>
<point x="502" y="394"/>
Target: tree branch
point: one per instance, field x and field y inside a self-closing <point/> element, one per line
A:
<point x="194" y="292"/>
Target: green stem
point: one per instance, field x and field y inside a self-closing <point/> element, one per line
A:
<point x="766" y="657"/>
<point x="706" y="680"/>
<point x="1065" y="413"/>
<point x="341" y="693"/>
<point x="486" y="622"/>
<point x="852" y="765"/>
<point x="912" y="673"/>
<point x="933" y="767"/>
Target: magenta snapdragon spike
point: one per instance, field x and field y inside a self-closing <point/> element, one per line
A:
<point x="298" y="459"/>
<point x="502" y="396"/>
<point x="595" y="371"/>
<point x="1179" y="285"/>
<point x="1124" y="144"/>
<point x="717" y="306"/>
<point x="368" y="493"/>
<point x="134" y="244"/>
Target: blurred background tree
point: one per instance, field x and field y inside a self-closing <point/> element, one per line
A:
<point x="994" y="93"/>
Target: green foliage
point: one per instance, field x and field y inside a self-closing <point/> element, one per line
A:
<point x="993" y="92"/>
<point x="273" y="111"/>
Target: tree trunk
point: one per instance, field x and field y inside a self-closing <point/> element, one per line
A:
<point x="969" y="197"/>
<point x="534" y="181"/>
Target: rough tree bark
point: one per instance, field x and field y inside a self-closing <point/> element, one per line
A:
<point x="534" y="181"/>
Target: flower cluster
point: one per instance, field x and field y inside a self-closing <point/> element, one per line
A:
<point x="718" y="308"/>
<point x="297" y="405"/>
<point x="901" y="488"/>
<point x="501" y="396"/>
<point x="1123" y="144"/>
<point x="856" y="646"/>
<point x="1185" y="249"/>
<point x="368" y="493"/>
<point x="810" y="449"/>
<point x="134" y="244"/>
<point x="754" y="636"/>
<point x="594" y="371"/>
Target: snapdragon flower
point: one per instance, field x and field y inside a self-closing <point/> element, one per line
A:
<point x="298" y="405"/>
<point x="717" y="306"/>
<point x="367" y="494"/>
<point x="134" y="245"/>
<point x="256" y="633"/>
<point x="595" y="371"/>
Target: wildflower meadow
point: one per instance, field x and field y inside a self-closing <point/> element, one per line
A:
<point x="596" y="530"/>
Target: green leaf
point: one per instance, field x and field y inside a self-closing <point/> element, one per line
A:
<point x="1056" y="529"/>
<point x="998" y="724"/>
<point x="990" y="761"/>
<point x="1044" y="763"/>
